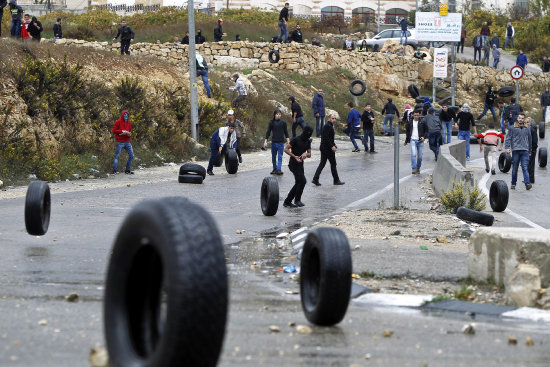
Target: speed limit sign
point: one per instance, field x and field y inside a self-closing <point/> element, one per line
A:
<point x="516" y="72"/>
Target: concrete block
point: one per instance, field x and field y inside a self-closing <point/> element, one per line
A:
<point x="494" y="253"/>
<point x="522" y="287"/>
<point x="450" y="167"/>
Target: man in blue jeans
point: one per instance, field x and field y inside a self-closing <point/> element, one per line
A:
<point x="404" y="32"/>
<point x="202" y="70"/>
<point x="518" y="142"/>
<point x="353" y="126"/>
<point x="390" y="111"/>
<point x="123" y="131"/>
<point x="415" y="133"/>
<point x="462" y="122"/>
<point x="283" y="19"/>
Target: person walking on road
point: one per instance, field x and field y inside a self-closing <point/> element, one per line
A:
<point x="240" y="130"/>
<point x="510" y="32"/>
<point x="485" y="32"/>
<point x="489" y="104"/>
<point x="462" y="122"/>
<point x="521" y="60"/>
<point x="534" y="145"/>
<point x="447" y="116"/>
<point x="404" y="23"/>
<point x="241" y="90"/>
<point x="218" y="31"/>
<point x="318" y="107"/>
<point x="328" y="152"/>
<point x="416" y="132"/>
<point x="123" y="131"/>
<point x="478" y="44"/>
<point x="283" y="19"/>
<point x="511" y="113"/>
<point x="297" y="115"/>
<point x="496" y="56"/>
<point x="298" y="149"/>
<point x="223" y="138"/>
<point x="127" y="36"/>
<point x="545" y="102"/>
<point x="488" y="142"/>
<point x="353" y="125"/>
<point x="463" y="34"/>
<point x="390" y="111"/>
<point x="367" y="119"/>
<point x="277" y="128"/>
<point x="518" y="143"/>
<point x="434" y="131"/>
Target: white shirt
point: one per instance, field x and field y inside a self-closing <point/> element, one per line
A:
<point x="414" y="133"/>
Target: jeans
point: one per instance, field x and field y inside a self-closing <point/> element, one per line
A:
<point x="352" y="132"/>
<point x="502" y="124"/>
<point x="544" y="113"/>
<point x="520" y="157"/>
<point x="447" y="131"/>
<point x="331" y="157"/>
<point x="465" y="135"/>
<point x="128" y="148"/>
<point x="389" y="117"/>
<point x="282" y="26"/>
<point x="124" y="47"/>
<point x="15" y="29"/>
<point x="483" y="40"/>
<point x="277" y="155"/>
<point x="299" y="183"/>
<point x="433" y="139"/>
<point x="236" y="146"/>
<point x="319" y="123"/>
<point x="460" y="44"/>
<point x="214" y="151"/>
<point x="299" y="122"/>
<point x="403" y="34"/>
<point x="509" y="39"/>
<point x="476" y="50"/>
<point x="490" y="150"/>
<point x="495" y="63"/>
<point x="240" y="98"/>
<point x="368" y="134"/>
<point x="416" y="153"/>
<point x="485" y="109"/>
<point x="204" y="77"/>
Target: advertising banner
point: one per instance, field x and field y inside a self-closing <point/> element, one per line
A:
<point x="437" y="27"/>
<point x="441" y="58"/>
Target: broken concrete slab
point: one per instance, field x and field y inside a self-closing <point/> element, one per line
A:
<point x="523" y="286"/>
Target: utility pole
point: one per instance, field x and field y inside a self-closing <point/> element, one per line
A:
<point x="193" y="70"/>
<point x="378" y="22"/>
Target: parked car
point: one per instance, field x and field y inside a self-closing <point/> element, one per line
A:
<point x="393" y="34"/>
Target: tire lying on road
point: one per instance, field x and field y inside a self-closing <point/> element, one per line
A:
<point x="37" y="208"/>
<point x="274" y="56"/>
<point x="506" y="91"/>
<point x="504" y="162"/>
<point x="542" y="130"/>
<point x="269" y="196"/>
<point x="187" y="168"/>
<point x="359" y="92"/>
<point x="543" y="157"/>
<point x="190" y="178"/>
<point x="219" y="160"/>
<point x="166" y="292"/>
<point x="413" y="91"/>
<point x="470" y="215"/>
<point x="498" y="196"/>
<point x="231" y="161"/>
<point x="325" y="276"/>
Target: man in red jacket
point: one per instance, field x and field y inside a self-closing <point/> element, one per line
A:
<point x="123" y="131"/>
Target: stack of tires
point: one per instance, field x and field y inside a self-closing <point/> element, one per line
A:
<point x="192" y="173"/>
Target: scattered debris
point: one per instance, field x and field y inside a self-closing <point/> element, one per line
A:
<point x="291" y="324"/>
<point x="303" y="330"/>
<point x="387" y="333"/>
<point x="289" y="269"/>
<point x="423" y="247"/>
<point x="99" y="357"/>
<point x="469" y="329"/>
<point x="43" y="322"/>
<point x="395" y="233"/>
<point x="367" y="356"/>
<point x="72" y="297"/>
<point x="442" y="239"/>
<point x="529" y="341"/>
<point x="274" y="329"/>
<point x="512" y="340"/>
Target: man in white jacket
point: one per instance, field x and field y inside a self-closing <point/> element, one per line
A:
<point x="219" y="142"/>
<point x="241" y="90"/>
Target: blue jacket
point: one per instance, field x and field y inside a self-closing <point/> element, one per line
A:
<point x="522" y="60"/>
<point x="354" y="118"/>
<point x="318" y="105"/>
<point x="404" y="23"/>
<point x="495" y="41"/>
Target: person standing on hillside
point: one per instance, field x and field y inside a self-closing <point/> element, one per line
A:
<point x="123" y="131"/>
<point x="404" y="23"/>
<point x="367" y="120"/>
<point x="495" y="40"/>
<point x="35" y="29"/>
<point x="489" y="104"/>
<point x="463" y="121"/>
<point x="240" y="130"/>
<point x="545" y="64"/>
<point x="328" y="152"/>
<point x="298" y="149"/>
<point x="199" y="38"/>
<point x="353" y="125"/>
<point x="297" y="115"/>
<point x="277" y="128"/>
<point x="241" y="90"/>
<point x="57" y="30"/>
<point x="485" y="32"/>
<point x="545" y="102"/>
<point x="16" y="13"/>
<point x="486" y="53"/>
<point x="218" y="32"/>
<point x="478" y="44"/>
<point x="521" y="60"/>
<point x="127" y="36"/>
<point x="390" y="111"/>
<point x="202" y="71"/>
<point x="463" y="34"/>
<point x="318" y="106"/>
<point x="283" y="19"/>
<point x="518" y="143"/>
<point x="510" y="32"/>
<point x="25" y="36"/>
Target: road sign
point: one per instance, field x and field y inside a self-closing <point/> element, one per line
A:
<point x="516" y="72"/>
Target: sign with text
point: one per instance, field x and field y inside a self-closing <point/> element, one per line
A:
<point x="441" y="58"/>
<point x="437" y="27"/>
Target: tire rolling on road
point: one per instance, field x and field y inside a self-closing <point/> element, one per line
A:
<point x="504" y="162"/>
<point x="325" y="276"/>
<point x="166" y="292"/>
<point x="498" y="196"/>
<point x="269" y="196"/>
<point x="470" y="215"/>
<point x="37" y="208"/>
<point x="231" y="161"/>
<point x="543" y="157"/>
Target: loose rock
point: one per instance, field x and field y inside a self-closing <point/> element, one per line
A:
<point x="274" y="329"/>
<point x="303" y="330"/>
<point x="43" y="322"/>
<point x="523" y="286"/>
<point x="442" y="239"/>
<point x="512" y="340"/>
<point x="99" y="357"/>
<point x="529" y="342"/>
<point x="72" y="297"/>
<point x="469" y="329"/>
<point x="387" y="333"/>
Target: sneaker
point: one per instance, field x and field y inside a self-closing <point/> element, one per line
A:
<point x="240" y="159"/>
<point x="289" y="205"/>
<point x="316" y="182"/>
<point x="274" y="172"/>
<point x="373" y="152"/>
<point x="528" y="186"/>
<point x="356" y="150"/>
<point x="487" y="170"/>
<point x="128" y="172"/>
<point x="279" y="172"/>
<point x="339" y="182"/>
<point x="467" y="158"/>
<point x="493" y="172"/>
<point x="114" y="172"/>
<point x="210" y="173"/>
<point x="512" y="187"/>
<point x="299" y="204"/>
<point x="413" y="172"/>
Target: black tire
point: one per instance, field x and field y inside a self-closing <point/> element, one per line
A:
<point x="360" y="91"/>
<point x="413" y="91"/>
<point x="37" y="208"/>
<point x="274" y="56"/>
<point x="269" y="196"/>
<point x="543" y="157"/>
<point x="470" y="215"/>
<point x="506" y="91"/>
<point x="455" y="109"/>
<point x="498" y="196"/>
<point x="231" y="161"/>
<point x="504" y="162"/>
<point x="420" y="99"/>
<point x="473" y="140"/>
<point x="193" y="168"/>
<point x="218" y="161"/>
<point x="166" y="291"/>
<point x="541" y="130"/>
<point x="325" y="276"/>
<point x="190" y="178"/>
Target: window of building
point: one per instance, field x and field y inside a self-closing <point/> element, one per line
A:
<point x="393" y="16"/>
<point x="332" y="11"/>
<point x="366" y="14"/>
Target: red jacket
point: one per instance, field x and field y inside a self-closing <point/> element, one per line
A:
<point x="24" y="33"/>
<point x="120" y="125"/>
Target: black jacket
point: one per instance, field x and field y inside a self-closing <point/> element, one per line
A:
<point x="490" y="97"/>
<point x="545" y="99"/>
<point x="218" y="33"/>
<point x="447" y="116"/>
<point x="283" y="14"/>
<point x="327" y="138"/>
<point x="126" y="33"/>
<point x="422" y="129"/>
<point x="464" y="120"/>
<point x="185" y="40"/>
<point x="546" y="66"/>
<point x="278" y="129"/>
<point x="534" y="139"/>
<point x="390" y="108"/>
<point x="296" y="36"/>
<point x="35" y="31"/>
<point x="511" y="112"/>
<point x="57" y="30"/>
<point x="199" y="38"/>
<point x="368" y="120"/>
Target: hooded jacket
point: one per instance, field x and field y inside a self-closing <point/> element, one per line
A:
<point x="432" y="122"/>
<point x="126" y="33"/>
<point x="15" y="10"/>
<point x="35" y="31"/>
<point x="490" y="97"/>
<point x="199" y="38"/>
<point x="120" y="125"/>
<point x="300" y="145"/>
<point x="218" y="33"/>
<point x="278" y="128"/>
<point x="318" y="105"/>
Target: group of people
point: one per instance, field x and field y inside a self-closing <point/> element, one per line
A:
<point x="23" y="26"/>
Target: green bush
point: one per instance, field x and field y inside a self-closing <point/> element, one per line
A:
<point x="459" y="196"/>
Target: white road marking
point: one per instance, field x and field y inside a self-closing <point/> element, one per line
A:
<point x="529" y="313"/>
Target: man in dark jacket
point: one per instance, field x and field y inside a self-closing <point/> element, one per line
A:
<point x="328" y="152"/>
<point x="199" y="38"/>
<point x="510" y="32"/>
<point x="126" y="37"/>
<point x="185" y="40"/>
<point x="218" y="32"/>
<point x="283" y="19"/>
<point x="3" y="4"/>
<point x="485" y="32"/>
<point x="202" y="71"/>
<point x="511" y="113"/>
<point x="390" y="111"/>
<point x="462" y="122"/>
<point x="35" y="29"/>
<point x="477" y="42"/>
<point x="296" y="35"/>
<point x="353" y="125"/>
<point x="495" y="40"/>
<point x="298" y="149"/>
<point x="57" y="30"/>
<point x="297" y="115"/>
<point x="415" y="133"/>
<point x="521" y="60"/>
<point x="446" y="116"/>
<point x="434" y="131"/>
<point x="16" y="13"/>
<point x="277" y="128"/>
<point x="367" y="119"/>
<point x="545" y="102"/>
<point x="534" y="146"/>
<point x="545" y="64"/>
<point x="489" y="104"/>
<point x="404" y="23"/>
<point x="318" y="106"/>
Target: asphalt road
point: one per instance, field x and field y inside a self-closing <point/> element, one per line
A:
<point x="39" y="328"/>
<point x="506" y="60"/>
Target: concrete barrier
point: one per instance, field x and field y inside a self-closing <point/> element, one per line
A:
<point x="450" y="167"/>
<point x="494" y="253"/>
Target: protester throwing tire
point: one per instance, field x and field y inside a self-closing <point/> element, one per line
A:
<point x="298" y="149"/>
